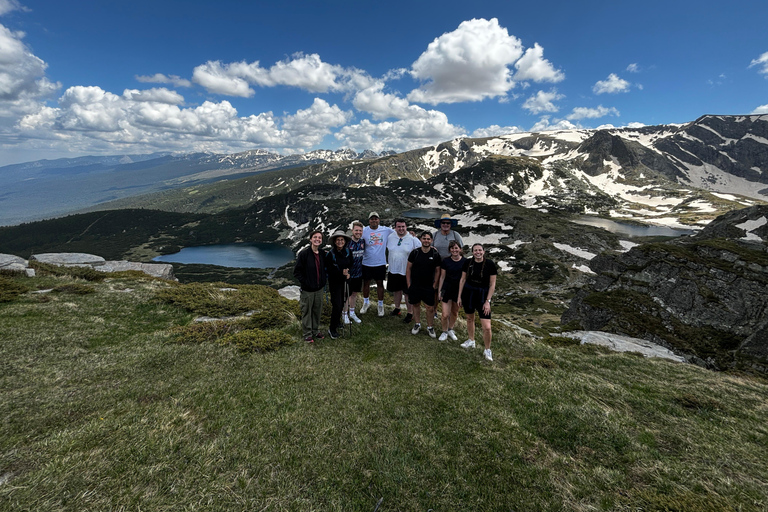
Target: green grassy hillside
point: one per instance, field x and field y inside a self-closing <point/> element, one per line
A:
<point x="105" y="406"/>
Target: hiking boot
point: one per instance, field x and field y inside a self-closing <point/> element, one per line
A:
<point x="333" y="334"/>
<point x="354" y="318"/>
<point x="452" y="335"/>
<point x="346" y="319"/>
<point x="443" y="336"/>
<point x="395" y="312"/>
<point x="381" y="309"/>
<point x="487" y="354"/>
<point x="468" y="344"/>
<point x="416" y="329"/>
<point x="408" y="318"/>
<point x="365" y="307"/>
<point x="431" y="331"/>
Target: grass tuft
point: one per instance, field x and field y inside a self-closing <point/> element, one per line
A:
<point x="257" y="340"/>
<point x="10" y="289"/>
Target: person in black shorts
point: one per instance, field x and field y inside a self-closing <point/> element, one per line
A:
<point x="477" y="285"/>
<point x="357" y="246"/>
<point x="451" y="269"/>
<point x="422" y="276"/>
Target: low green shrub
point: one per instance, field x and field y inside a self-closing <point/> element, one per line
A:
<point x="10" y="289"/>
<point x="87" y="273"/>
<point x="204" y="332"/>
<point x="75" y="289"/>
<point x="222" y="299"/>
<point x="269" y="319"/>
<point x="258" y="340"/>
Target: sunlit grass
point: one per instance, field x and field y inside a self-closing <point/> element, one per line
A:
<point x="101" y="410"/>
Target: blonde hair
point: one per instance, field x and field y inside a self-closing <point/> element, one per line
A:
<point x="357" y="223"/>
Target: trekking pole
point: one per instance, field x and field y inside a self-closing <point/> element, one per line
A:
<point x="346" y="306"/>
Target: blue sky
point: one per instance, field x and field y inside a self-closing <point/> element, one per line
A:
<point x="102" y="77"/>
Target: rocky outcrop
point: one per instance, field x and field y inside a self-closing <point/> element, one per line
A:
<point x="77" y="259"/>
<point x="702" y="296"/>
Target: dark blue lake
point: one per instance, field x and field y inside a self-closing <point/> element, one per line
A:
<point x="424" y="213"/>
<point x="245" y="255"/>
<point x="631" y="230"/>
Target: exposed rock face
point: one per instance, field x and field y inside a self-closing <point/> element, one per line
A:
<point x="702" y="296"/>
<point x="68" y="259"/>
<point x="77" y="259"/>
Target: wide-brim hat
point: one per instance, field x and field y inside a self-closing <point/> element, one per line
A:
<point x="446" y="216"/>
<point x="337" y="234"/>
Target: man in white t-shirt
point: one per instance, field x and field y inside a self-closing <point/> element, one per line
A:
<point x="374" y="260"/>
<point x="399" y="246"/>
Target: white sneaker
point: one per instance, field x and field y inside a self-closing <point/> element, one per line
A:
<point x="487" y="354"/>
<point x="346" y="319"/>
<point x="353" y="316"/>
<point x="443" y="336"/>
<point x="365" y="307"/>
<point x="468" y="344"/>
<point x="416" y="329"/>
<point x="431" y="332"/>
<point x="381" y="309"/>
<point x="452" y="335"/>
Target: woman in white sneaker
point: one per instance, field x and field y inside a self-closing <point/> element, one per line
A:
<point x="451" y="269"/>
<point x="476" y="288"/>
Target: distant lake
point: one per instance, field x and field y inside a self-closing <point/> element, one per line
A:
<point x="424" y="213"/>
<point x="631" y="230"/>
<point x="245" y="255"/>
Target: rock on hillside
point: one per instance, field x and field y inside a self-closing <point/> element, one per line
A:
<point x="702" y="296"/>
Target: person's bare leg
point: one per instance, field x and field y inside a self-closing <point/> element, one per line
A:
<point x="486" y="325"/>
<point x="471" y="326"/>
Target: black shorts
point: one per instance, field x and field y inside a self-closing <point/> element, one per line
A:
<point x="450" y="292"/>
<point x="355" y="284"/>
<point x="418" y="294"/>
<point x="375" y="273"/>
<point x="396" y="283"/>
<point x="473" y="300"/>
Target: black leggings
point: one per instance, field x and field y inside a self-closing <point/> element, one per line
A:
<point x="337" y="304"/>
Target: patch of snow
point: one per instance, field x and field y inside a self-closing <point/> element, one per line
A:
<point x="576" y="251"/>
<point x="727" y="197"/>
<point x="480" y="195"/>
<point x="702" y="206"/>
<point x="583" y="268"/>
<point x="493" y="239"/>
<point x="751" y="225"/>
<point x="627" y="245"/>
<point x="517" y="243"/>
<point x="503" y="265"/>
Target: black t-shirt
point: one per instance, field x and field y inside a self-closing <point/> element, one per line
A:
<point x="423" y="265"/>
<point x="453" y="269"/>
<point x="479" y="274"/>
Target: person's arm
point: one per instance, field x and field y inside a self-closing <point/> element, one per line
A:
<point x="461" y="286"/>
<point x="491" y="289"/>
<point x="298" y="269"/>
<point x="442" y="280"/>
<point x="436" y="278"/>
<point x="408" y="275"/>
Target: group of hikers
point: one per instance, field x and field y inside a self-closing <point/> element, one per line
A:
<point x="428" y="268"/>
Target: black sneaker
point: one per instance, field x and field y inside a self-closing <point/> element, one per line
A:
<point x="395" y="312"/>
<point x="408" y="318"/>
<point x="319" y="336"/>
<point x="333" y="334"/>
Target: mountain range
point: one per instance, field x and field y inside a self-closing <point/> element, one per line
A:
<point x="668" y="174"/>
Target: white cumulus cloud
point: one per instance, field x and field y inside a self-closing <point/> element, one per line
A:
<point x="592" y="113"/>
<point x="399" y="135"/>
<point x="494" y="130"/>
<point x="762" y="109"/>
<point x="633" y="68"/>
<point x="544" y="125"/>
<point x="533" y="66"/>
<point x="612" y="85"/>
<point x="762" y="63"/>
<point x="543" y="101"/>
<point x="159" y="78"/>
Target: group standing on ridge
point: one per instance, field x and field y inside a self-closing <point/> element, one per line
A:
<point x="426" y="269"/>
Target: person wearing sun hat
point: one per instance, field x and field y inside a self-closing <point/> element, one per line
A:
<point x="338" y="261"/>
<point x="444" y="234"/>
